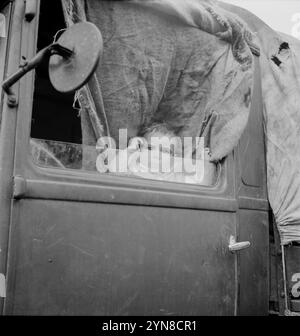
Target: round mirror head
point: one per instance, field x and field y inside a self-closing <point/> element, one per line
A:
<point x="71" y="73"/>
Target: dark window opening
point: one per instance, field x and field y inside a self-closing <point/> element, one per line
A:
<point x="53" y="116"/>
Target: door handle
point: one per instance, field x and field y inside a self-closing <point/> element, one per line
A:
<point x="234" y="246"/>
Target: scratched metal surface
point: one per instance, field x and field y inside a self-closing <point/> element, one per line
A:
<point x="254" y="263"/>
<point x="74" y="258"/>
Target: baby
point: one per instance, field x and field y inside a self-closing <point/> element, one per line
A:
<point x="161" y="136"/>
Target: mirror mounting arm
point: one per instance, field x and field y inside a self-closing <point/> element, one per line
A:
<point x="76" y="55"/>
<point x="53" y="49"/>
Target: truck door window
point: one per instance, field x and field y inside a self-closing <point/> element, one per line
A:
<point x="56" y="134"/>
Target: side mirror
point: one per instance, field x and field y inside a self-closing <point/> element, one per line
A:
<point x="73" y="58"/>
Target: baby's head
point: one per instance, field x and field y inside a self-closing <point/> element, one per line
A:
<point x="161" y="136"/>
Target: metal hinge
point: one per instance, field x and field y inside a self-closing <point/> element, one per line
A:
<point x="19" y="187"/>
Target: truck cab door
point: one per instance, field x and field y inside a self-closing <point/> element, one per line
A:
<point x="82" y="243"/>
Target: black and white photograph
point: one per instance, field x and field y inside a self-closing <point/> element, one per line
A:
<point x="149" y="162"/>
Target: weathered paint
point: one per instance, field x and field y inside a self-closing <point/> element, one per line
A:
<point x="88" y="244"/>
<point x="105" y="259"/>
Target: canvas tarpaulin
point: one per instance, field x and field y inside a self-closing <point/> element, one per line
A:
<point x="157" y="67"/>
<point x="280" y="64"/>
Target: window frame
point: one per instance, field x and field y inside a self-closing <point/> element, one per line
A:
<point x="64" y="184"/>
